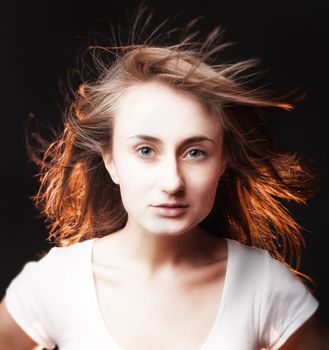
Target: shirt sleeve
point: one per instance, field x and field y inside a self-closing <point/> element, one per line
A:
<point x="287" y="303"/>
<point x="29" y="297"/>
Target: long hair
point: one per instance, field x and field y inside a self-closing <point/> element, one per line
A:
<point x="76" y="194"/>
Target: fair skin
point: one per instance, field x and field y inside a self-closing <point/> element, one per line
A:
<point x="157" y="260"/>
<point x="171" y="168"/>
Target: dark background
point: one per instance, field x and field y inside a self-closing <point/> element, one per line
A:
<point x="40" y="41"/>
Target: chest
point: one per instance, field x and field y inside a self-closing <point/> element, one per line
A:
<point x="168" y="314"/>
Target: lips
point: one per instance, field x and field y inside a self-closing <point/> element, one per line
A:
<point x="170" y="211"/>
<point x="171" y="205"/>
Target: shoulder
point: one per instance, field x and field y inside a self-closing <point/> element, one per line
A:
<point x="286" y="303"/>
<point x="271" y="278"/>
<point x="272" y="274"/>
<point x="71" y="252"/>
<point x="246" y="251"/>
<point x="258" y="259"/>
<point x="45" y="271"/>
<point x="250" y="260"/>
<point x="39" y="296"/>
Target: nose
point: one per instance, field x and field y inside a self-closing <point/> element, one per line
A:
<point x="170" y="179"/>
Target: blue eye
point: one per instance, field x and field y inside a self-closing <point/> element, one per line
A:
<point x="196" y="152"/>
<point x="144" y="154"/>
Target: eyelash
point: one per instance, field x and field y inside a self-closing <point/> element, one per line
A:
<point x="194" y="149"/>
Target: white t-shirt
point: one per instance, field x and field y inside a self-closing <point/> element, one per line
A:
<point x="54" y="301"/>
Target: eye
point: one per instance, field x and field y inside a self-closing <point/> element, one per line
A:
<point x="195" y="152"/>
<point x="144" y="151"/>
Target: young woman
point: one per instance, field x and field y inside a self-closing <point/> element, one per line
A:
<point x="164" y="193"/>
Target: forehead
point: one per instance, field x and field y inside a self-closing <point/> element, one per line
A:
<point x="154" y="107"/>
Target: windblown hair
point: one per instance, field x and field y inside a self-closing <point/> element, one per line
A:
<point x="76" y="193"/>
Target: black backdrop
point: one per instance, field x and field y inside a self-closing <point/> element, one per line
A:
<point x="39" y="41"/>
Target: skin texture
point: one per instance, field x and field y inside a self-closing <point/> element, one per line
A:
<point x="164" y="171"/>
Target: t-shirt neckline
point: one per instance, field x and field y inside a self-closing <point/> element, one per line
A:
<point x="220" y="310"/>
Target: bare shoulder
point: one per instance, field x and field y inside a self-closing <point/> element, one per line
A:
<point x="313" y="334"/>
<point x="12" y="337"/>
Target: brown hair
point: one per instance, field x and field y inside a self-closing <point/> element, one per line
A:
<point x="79" y="199"/>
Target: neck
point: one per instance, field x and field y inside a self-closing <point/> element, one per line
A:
<point x="164" y="254"/>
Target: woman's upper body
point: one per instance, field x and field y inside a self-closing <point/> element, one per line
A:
<point x="163" y="148"/>
<point x="243" y="299"/>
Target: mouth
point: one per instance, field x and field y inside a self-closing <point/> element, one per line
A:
<point x="171" y="205"/>
<point x="170" y="211"/>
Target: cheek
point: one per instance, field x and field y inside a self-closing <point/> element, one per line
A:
<point x="133" y="184"/>
<point x="204" y="190"/>
<point x="130" y="192"/>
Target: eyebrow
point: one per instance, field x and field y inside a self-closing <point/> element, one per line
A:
<point x="187" y="141"/>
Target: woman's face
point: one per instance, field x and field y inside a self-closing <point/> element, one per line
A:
<point x="167" y="149"/>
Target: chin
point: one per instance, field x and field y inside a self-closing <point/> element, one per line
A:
<point x="169" y="230"/>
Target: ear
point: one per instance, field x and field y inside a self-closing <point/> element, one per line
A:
<point x="110" y="166"/>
